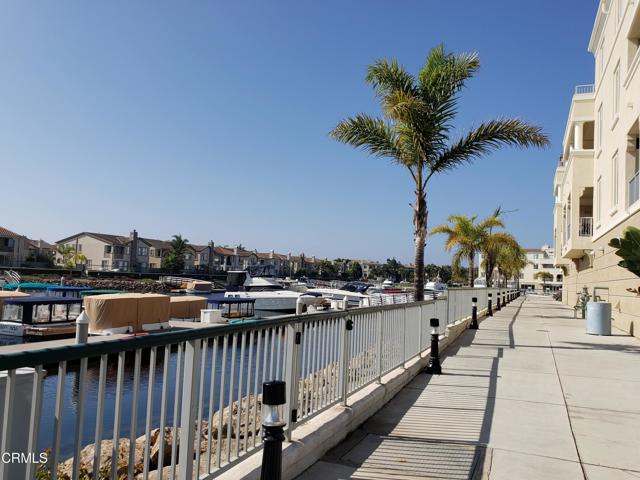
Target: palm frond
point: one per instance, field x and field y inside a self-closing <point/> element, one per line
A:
<point x="374" y="135"/>
<point x="387" y="76"/>
<point x="487" y="137"/>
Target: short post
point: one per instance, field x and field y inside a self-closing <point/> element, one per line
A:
<point x="273" y="402"/>
<point x="489" y="310"/>
<point x="498" y="301"/>
<point x="82" y="327"/>
<point x="434" y="367"/>
<point x="474" y="314"/>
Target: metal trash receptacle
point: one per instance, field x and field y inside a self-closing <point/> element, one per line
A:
<point x="598" y="318"/>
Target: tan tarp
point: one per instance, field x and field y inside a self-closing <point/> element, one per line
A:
<point x="115" y="310"/>
<point x="188" y="306"/>
<point x="153" y="308"/>
<point x="126" y="310"/>
<point x="9" y="294"/>
<point x="199" y="286"/>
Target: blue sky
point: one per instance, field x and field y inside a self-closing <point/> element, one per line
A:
<point x="211" y="118"/>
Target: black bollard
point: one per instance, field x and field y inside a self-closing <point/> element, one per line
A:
<point x="273" y="400"/>
<point x="474" y="314"/>
<point x="434" y="357"/>
<point x="489" y="310"/>
<point x="498" y="302"/>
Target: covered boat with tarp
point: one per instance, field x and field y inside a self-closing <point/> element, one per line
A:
<point x="187" y="307"/>
<point x="127" y="313"/>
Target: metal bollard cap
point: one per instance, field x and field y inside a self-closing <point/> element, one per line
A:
<point x="474" y="299"/>
<point x="274" y="393"/>
<point x="434" y="322"/>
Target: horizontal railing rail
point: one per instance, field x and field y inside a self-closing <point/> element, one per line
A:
<point x="201" y="388"/>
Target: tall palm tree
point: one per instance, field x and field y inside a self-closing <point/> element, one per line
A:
<point x="417" y="129"/>
<point x="468" y="237"/>
<point x="510" y="261"/>
<point x="494" y="243"/>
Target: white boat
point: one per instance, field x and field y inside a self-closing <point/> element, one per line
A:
<point x="263" y="288"/>
<point x="435" y="288"/>
<point x="360" y="294"/>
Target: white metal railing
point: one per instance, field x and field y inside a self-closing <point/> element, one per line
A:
<point x="584" y="89"/>
<point x="585" y="228"/>
<point x="156" y="391"/>
<point x="634" y="189"/>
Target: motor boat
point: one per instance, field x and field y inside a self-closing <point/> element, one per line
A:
<point x="355" y="292"/>
<point x="261" y="285"/>
<point x="435" y="288"/>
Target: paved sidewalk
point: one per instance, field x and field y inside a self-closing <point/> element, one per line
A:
<point x="527" y="396"/>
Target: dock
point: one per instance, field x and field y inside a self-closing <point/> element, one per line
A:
<point x="528" y="395"/>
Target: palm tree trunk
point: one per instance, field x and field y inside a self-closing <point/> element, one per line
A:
<point x="420" y="237"/>
<point x="471" y="269"/>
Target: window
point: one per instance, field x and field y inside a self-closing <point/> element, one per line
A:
<point x="598" y="200"/>
<point x="614" y="181"/>
<point x="535" y="266"/>
<point x="107" y="249"/>
<point x="535" y="255"/>
<point x="547" y="265"/>
<point x="599" y="126"/>
<point x="143" y="251"/>
<point x="79" y="247"/>
<point x="204" y="257"/>
<point x="616" y="91"/>
<point x="105" y="264"/>
<point x="89" y="263"/>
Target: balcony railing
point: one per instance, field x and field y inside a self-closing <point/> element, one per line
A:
<point x="634" y="189"/>
<point x="584" y="89"/>
<point x="586" y="227"/>
<point x="205" y="384"/>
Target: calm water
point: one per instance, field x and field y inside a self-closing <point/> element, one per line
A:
<point x="70" y="391"/>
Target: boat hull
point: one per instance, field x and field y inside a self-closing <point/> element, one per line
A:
<point x="278" y="301"/>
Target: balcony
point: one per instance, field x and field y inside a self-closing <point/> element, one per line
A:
<point x="588" y="89"/>
<point x="585" y="227"/>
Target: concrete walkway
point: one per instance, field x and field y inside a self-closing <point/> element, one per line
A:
<point x="527" y="396"/>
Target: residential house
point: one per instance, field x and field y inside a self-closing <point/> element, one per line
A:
<point x="13" y="248"/>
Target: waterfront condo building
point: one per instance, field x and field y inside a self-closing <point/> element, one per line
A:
<point x="596" y="185"/>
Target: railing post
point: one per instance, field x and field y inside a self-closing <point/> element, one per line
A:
<point x="404" y="336"/>
<point x="188" y="416"/>
<point x="347" y="327"/>
<point x="379" y="348"/>
<point x="420" y="328"/>
<point x="292" y="374"/>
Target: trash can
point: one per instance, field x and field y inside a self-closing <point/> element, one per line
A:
<point x="599" y="318"/>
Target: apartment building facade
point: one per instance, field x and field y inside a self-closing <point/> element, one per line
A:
<point x="13" y="248"/>
<point x="540" y="261"/>
<point x="596" y="183"/>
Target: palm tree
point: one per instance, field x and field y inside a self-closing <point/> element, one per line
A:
<point x="510" y="260"/>
<point x="174" y="259"/>
<point x="493" y="245"/>
<point x="69" y="257"/>
<point x="417" y="129"/>
<point x="545" y="277"/>
<point x="468" y="237"/>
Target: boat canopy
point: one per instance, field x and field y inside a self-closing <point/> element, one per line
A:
<point x="86" y="293"/>
<point x="67" y="288"/>
<point x="41" y="309"/>
<point x="26" y="286"/>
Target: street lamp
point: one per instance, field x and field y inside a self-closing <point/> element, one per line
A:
<point x="273" y="402"/>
